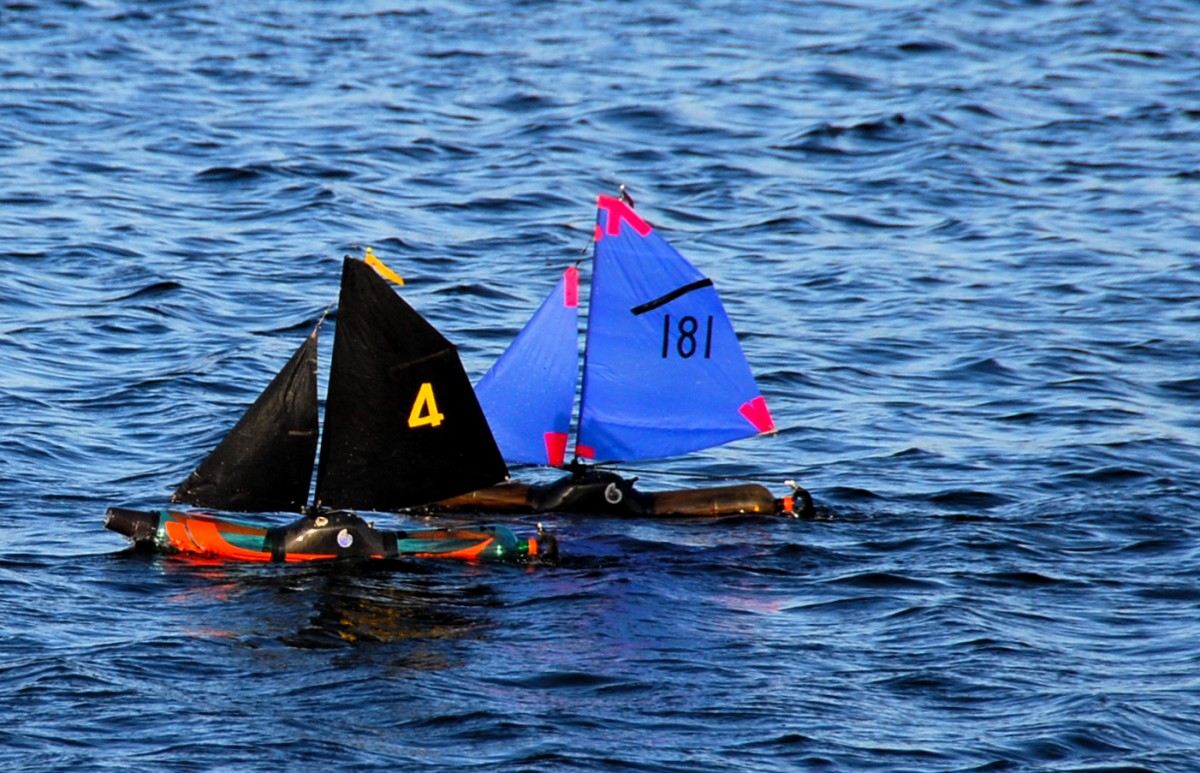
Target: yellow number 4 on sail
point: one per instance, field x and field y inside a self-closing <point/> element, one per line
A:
<point x="425" y="411"/>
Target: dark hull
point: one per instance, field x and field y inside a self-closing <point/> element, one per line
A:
<point x="321" y="537"/>
<point x="598" y="492"/>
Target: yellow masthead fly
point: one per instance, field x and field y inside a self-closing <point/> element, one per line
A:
<point x="381" y="269"/>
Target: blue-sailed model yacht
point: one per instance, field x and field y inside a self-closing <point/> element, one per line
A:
<point x="663" y="375"/>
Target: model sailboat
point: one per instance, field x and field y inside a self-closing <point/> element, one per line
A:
<point x="663" y="375"/>
<point x="402" y="428"/>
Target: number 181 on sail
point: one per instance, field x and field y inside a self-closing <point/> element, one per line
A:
<point x="685" y="338"/>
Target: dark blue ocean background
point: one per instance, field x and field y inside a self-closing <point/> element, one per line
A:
<point x="960" y="240"/>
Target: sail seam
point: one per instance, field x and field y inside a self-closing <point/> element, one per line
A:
<point x="403" y="366"/>
<point x="676" y="293"/>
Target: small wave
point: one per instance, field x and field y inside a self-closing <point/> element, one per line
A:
<point x="825" y="138"/>
<point x="474" y="290"/>
<point x="874" y="580"/>
<point x="862" y="222"/>
<point x="1180" y="594"/>
<point x="781" y="740"/>
<point x="1140" y="53"/>
<point x="987" y="368"/>
<point x="257" y="171"/>
<point x="1189" y="387"/>
<point x="565" y="680"/>
<point x="24" y="199"/>
<point x="154" y="290"/>
<point x="1115" y="474"/>
<point x="926" y="47"/>
<point x="846" y="81"/>
<point x="851" y="494"/>
<point x="233" y="174"/>
<point x="1023" y="579"/>
<point x="525" y="103"/>
<point x="455" y="53"/>
<point x="983" y="500"/>
<point x="873" y="128"/>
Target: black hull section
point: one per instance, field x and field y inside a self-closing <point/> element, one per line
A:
<point x="598" y="492"/>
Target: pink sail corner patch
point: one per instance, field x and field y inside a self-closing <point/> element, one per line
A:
<point x="556" y="448"/>
<point x="585" y="452"/>
<point x="571" y="288"/>
<point x="619" y="212"/>
<point x="757" y="413"/>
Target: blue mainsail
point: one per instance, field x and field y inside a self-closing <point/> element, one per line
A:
<point x="528" y="394"/>
<point x="664" y="373"/>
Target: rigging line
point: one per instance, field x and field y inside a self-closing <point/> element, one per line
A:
<point x="324" y="314"/>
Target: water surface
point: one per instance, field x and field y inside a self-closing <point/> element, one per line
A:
<point x="958" y="240"/>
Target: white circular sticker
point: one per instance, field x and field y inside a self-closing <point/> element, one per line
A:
<point x="345" y="538"/>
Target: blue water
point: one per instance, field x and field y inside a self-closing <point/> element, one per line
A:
<point x="959" y="240"/>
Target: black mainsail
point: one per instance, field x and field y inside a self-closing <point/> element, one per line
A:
<point x="265" y="463"/>
<point x="402" y="424"/>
